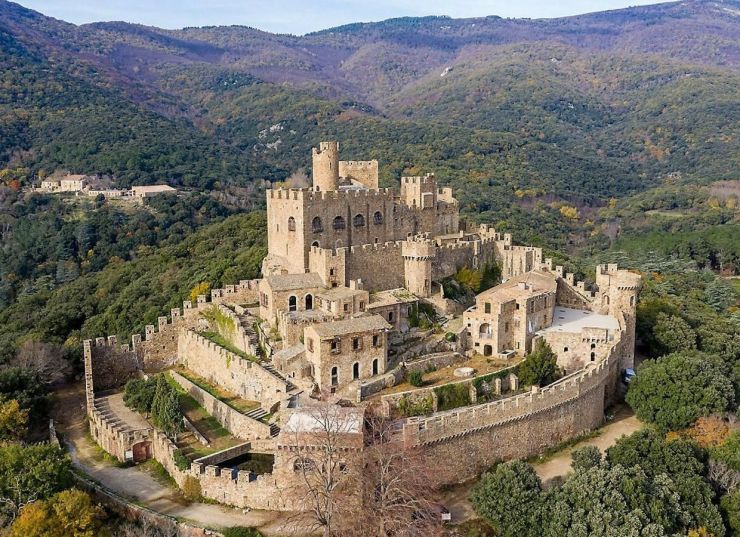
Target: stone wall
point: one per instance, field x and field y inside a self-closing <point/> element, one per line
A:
<point x="234" y="421"/>
<point x="379" y="266"/>
<point x="243" y="377"/>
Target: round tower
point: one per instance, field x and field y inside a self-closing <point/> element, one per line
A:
<point x="326" y="166"/>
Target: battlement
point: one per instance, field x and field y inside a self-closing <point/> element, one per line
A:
<point x="391" y="245"/>
<point x="419" y="179"/>
<point x="419" y="249"/>
<point x="310" y="195"/>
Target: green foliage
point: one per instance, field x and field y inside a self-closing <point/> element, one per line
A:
<point x="166" y="412"/>
<point x="673" y="334"/>
<point x="416" y="378"/>
<point x="33" y="471"/>
<point x="219" y="320"/>
<point x="68" y="513"/>
<point x="540" y="366"/>
<point x="181" y="461"/>
<point x="730" y="505"/>
<point x="453" y="395"/>
<point x="728" y="451"/>
<point x="241" y="531"/>
<point x="221" y="341"/>
<point x="24" y="386"/>
<point x="191" y="489"/>
<point x="417" y="406"/>
<point x="650" y="450"/>
<point x="585" y="458"/>
<point x="139" y="394"/>
<point x="509" y="498"/>
<point x="675" y="390"/>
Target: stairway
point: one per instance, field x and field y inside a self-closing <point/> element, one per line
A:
<point x="271" y="369"/>
<point x="257" y="414"/>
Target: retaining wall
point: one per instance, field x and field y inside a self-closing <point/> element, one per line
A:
<point x="234" y="421"/>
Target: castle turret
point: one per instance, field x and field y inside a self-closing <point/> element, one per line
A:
<point x="617" y="294"/>
<point x="417" y="259"/>
<point x="326" y="166"/>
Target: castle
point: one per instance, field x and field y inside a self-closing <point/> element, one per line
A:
<point x="335" y="322"/>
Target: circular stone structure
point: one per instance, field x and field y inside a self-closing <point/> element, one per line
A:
<point x="464" y="372"/>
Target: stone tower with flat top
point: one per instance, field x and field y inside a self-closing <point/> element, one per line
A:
<point x="326" y="166"/>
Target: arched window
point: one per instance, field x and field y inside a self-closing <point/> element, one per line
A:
<point x="375" y="366"/>
<point x="309" y="302"/>
<point x="292" y="303"/>
<point x="291" y="224"/>
<point x="359" y="220"/>
<point x="485" y="330"/>
<point x="334" y="376"/>
<point x="378" y="218"/>
<point x="339" y="223"/>
<point x="317" y="244"/>
<point x="316" y="225"/>
<point x="356" y="370"/>
<point x="593" y="345"/>
<point x="593" y="356"/>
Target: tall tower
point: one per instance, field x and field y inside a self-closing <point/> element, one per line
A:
<point x="618" y="292"/>
<point x="418" y="255"/>
<point x="326" y="166"/>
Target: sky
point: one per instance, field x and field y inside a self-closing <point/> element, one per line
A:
<point x="303" y="16"/>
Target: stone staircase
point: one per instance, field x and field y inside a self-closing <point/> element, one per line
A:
<point x="259" y="415"/>
<point x="267" y="366"/>
<point x="247" y="323"/>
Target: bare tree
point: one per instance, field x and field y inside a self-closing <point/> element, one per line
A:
<point x="398" y="497"/>
<point x="45" y="359"/>
<point x="327" y="441"/>
<point x="298" y="179"/>
<point x="11" y="506"/>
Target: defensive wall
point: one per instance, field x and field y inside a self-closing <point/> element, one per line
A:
<point x="243" y="377"/>
<point x="471" y="439"/>
<point x="235" y="422"/>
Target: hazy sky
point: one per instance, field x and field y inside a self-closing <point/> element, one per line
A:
<point x="302" y="16"/>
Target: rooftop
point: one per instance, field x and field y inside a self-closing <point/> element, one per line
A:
<point x="325" y="418"/>
<point x="390" y="297"/>
<point x="153" y="188"/>
<point x="351" y="326"/>
<point x="526" y="285"/>
<point x="335" y="293"/>
<point x="574" y="321"/>
<point x="76" y="177"/>
<point x="288" y="282"/>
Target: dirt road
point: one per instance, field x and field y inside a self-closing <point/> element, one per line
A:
<point x="138" y="485"/>
<point x="623" y="423"/>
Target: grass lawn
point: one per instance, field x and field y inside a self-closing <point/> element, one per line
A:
<point x="219" y="340"/>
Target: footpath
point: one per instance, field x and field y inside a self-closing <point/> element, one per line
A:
<point x="138" y="485"/>
<point x="623" y="423"/>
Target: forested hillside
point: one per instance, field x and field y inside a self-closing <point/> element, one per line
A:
<point x="603" y="136"/>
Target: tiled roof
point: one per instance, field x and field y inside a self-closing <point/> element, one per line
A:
<point x="287" y="282"/>
<point x="351" y="326"/>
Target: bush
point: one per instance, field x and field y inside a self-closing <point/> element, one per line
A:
<point x="138" y="394"/>
<point x="191" y="489"/>
<point x="452" y="396"/>
<point x="241" y="531"/>
<point x="540" y="367"/>
<point x="675" y="390"/>
<point x="416" y="378"/>
<point x="449" y="336"/>
<point x="585" y="458"/>
<point x="409" y="408"/>
<point x="181" y="461"/>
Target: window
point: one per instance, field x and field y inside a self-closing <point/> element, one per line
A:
<point x="302" y="464"/>
<point x="362" y="305"/>
<point x="334" y="376"/>
<point x="487" y="307"/>
<point x="506" y="327"/>
<point x="316" y="244"/>
<point x="291" y="224"/>
<point x="346" y="308"/>
<point x="632" y="301"/>
<point x="336" y="346"/>
<point x="378" y="218"/>
<point x="593" y="345"/>
<point x="565" y="349"/>
<point x="355" y="371"/>
<point x="338" y="223"/>
<point x="316" y="225"/>
<point x="309" y="302"/>
<point x="356" y="343"/>
<point x="390" y="316"/>
<point x="517" y="305"/>
<point x="332" y="272"/>
<point x="292" y="303"/>
<point x="358" y="220"/>
<point x="593" y="356"/>
<point x="376" y="340"/>
<point x="375" y="365"/>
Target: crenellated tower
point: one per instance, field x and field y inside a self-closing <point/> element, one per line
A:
<point x="326" y="166"/>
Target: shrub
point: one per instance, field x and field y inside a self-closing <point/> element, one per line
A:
<point x="191" y="489"/>
<point x="449" y="336"/>
<point x="452" y="396"/>
<point x="138" y="394"/>
<point x="416" y="378"/>
<point x="540" y="367"/>
<point x="422" y="406"/>
<point x="181" y="461"/>
<point x="241" y="531"/>
<point x="585" y="458"/>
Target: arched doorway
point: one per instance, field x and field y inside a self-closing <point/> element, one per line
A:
<point x="142" y="451"/>
<point x="487" y="350"/>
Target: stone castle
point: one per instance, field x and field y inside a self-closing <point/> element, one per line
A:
<point x="351" y="300"/>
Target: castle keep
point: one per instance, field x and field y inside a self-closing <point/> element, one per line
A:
<point x="351" y="300"/>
